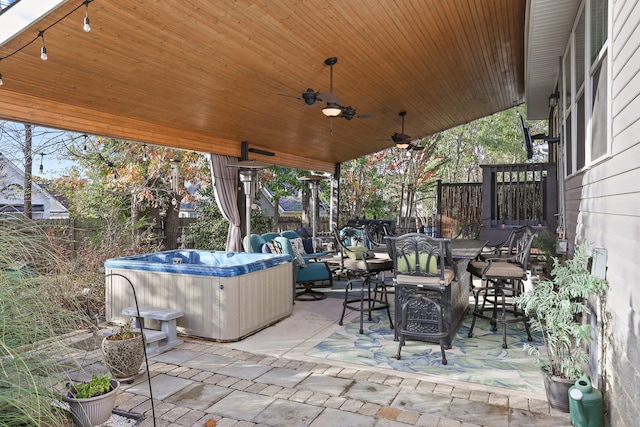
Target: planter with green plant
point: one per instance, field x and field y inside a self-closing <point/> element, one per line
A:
<point x="91" y="402"/>
<point x="123" y="352"/>
<point x="555" y="307"/>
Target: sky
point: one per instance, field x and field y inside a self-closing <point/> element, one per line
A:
<point x="47" y="147"/>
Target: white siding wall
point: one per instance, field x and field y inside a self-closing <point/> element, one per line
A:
<point x="603" y="204"/>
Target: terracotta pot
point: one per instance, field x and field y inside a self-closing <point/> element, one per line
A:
<point x="93" y="411"/>
<point x="123" y="357"/>
<point x="557" y="390"/>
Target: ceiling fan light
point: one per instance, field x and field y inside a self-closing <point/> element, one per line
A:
<point x="331" y="110"/>
<point x="402" y="145"/>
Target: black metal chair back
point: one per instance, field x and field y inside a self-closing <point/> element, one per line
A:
<point x="469" y="231"/>
<point x="419" y="256"/>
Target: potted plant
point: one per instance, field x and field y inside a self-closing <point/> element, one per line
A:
<point x="123" y="352"/>
<point x="91" y="402"/>
<point x="555" y="307"/>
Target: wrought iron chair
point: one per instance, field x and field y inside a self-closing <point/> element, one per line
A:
<point x="376" y="233"/>
<point x="505" y="249"/>
<point x="423" y="269"/>
<point x="469" y="231"/>
<point x="502" y="278"/>
<point x="364" y="292"/>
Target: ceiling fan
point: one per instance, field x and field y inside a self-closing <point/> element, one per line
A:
<point x="332" y="108"/>
<point x="403" y="140"/>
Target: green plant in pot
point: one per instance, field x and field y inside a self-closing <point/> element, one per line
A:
<point x="555" y="307"/>
<point x="123" y="352"/>
<point x="91" y="402"/>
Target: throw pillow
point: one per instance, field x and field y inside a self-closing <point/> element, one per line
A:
<point x="407" y="263"/>
<point x="299" y="258"/>
<point x="308" y="245"/>
<point x="297" y="243"/>
<point x="274" y="247"/>
<point x="355" y="252"/>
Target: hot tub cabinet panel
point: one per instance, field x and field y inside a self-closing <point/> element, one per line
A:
<point x="222" y="308"/>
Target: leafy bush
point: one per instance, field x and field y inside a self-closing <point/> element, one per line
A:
<point x="36" y="308"/>
<point x="211" y="228"/>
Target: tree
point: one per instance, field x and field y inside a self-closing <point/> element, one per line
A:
<point x="397" y="183"/>
<point x="21" y="142"/>
<point x="143" y="185"/>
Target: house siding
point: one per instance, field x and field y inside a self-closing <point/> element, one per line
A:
<point x="603" y="207"/>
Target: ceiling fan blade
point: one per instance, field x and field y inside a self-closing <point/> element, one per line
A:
<point x="290" y="96"/>
<point x="328" y="97"/>
<point x="400" y="137"/>
<point x="309" y="97"/>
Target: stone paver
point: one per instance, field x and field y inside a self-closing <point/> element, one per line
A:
<point x="199" y="383"/>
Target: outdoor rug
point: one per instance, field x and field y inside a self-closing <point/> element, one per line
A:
<point x="480" y="359"/>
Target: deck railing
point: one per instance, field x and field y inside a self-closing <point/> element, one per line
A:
<point x="509" y="196"/>
<point x="521" y="194"/>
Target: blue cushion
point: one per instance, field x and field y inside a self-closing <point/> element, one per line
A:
<point x="314" y="271"/>
<point x="303" y="232"/>
<point x="290" y="234"/>
<point x="270" y="235"/>
<point x="256" y="243"/>
<point x="308" y="245"/>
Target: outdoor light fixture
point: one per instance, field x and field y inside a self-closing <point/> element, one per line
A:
<point x="86" y="25"/>
<point x="313" y="181"/>
<point x="553" y="99"/>
<point x="331" y="110"/>
<point x="16" y="19"/>
<point x="248" y="175"/>
<point x="43" y="49"/>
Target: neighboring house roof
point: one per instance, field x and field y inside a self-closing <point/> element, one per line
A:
<point x="290" y="205"/>
<point x="12" y="193"/>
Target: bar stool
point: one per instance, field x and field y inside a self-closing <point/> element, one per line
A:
<point x="365" y="291"/>
<point x="502" y="279"/>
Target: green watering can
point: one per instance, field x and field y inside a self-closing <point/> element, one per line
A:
<point x="585" y="404"/>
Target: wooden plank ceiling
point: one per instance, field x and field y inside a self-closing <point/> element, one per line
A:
<point x="205" y="75"/>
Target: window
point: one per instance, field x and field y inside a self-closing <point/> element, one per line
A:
<point x="585" y="84"/>
<point x="599" y="111"/>
<point x="599" y="28"/>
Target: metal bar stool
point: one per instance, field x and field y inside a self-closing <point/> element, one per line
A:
<point x="364" y="292"/>
<point x="502" y="279"/>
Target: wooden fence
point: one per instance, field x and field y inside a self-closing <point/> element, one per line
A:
<point x="509" y="195"/>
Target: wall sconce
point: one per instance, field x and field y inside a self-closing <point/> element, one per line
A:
<point x="553" y="99"/>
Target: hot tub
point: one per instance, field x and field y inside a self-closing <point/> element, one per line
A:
<point x="225" y="296"/>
